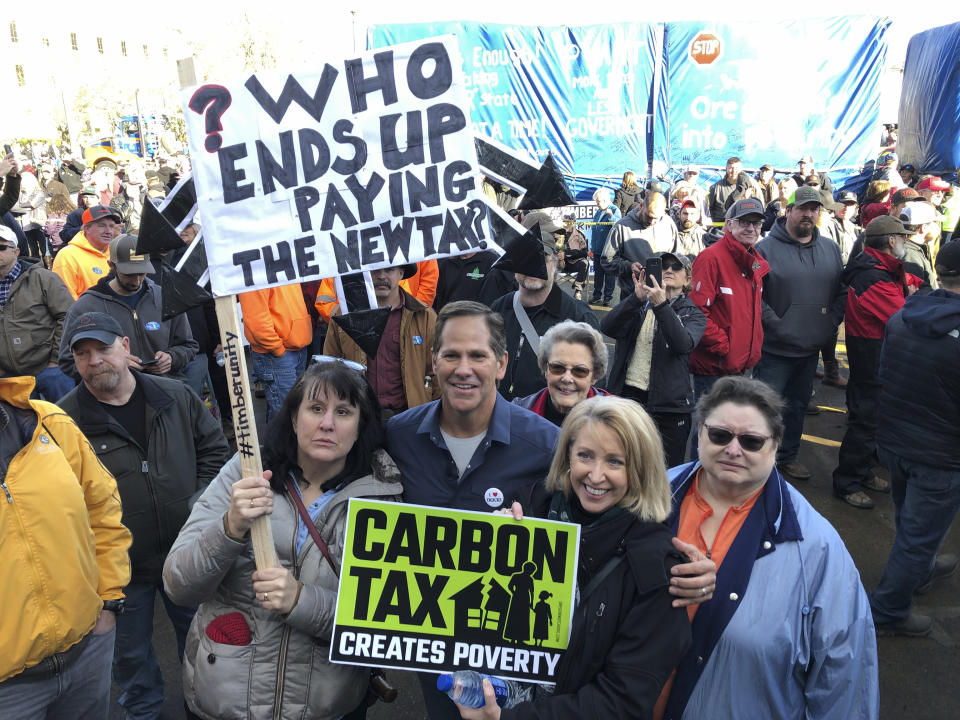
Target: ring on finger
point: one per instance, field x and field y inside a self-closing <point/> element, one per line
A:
<point x="703" y="590"/>
<point x="265" y="596"/>
<point x="252" y="503"/>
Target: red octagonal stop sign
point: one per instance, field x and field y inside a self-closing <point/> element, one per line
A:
<point x="705" y="48"/>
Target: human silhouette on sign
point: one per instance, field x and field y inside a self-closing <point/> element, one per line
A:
<point x="517" y="628"/>
<point x="542" y="618"/>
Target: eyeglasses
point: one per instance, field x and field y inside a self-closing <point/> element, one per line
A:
<point x="318" y="359"/>
<point x="757" y="224"/>
<point x="721" y="437"/>
<point x="559" y="369"/>
<point x="676" y="267"/>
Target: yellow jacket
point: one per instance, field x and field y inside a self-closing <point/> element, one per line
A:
<point x="276" y="319"/>
<point x="63" y="550"/>
<point x="80" y="265"/>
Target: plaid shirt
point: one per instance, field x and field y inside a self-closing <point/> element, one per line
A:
<point x="7" y="282"/>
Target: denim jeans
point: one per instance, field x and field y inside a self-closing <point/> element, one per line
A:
<point x="80" y="691"/>
<point x="197" y="375"/>
<point x="702" y="384"/>
<point x="278" y="374"/>
<point x="792" y="378"/>
<point x="926" y="500"/>
<point x="53" y="384"/>
<point x="136" y="670"/>
<point x="604" y="283"/>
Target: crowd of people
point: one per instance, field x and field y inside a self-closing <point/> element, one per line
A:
<point x="699" y="561"/>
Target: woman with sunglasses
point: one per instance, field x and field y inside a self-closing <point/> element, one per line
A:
<point x="628" y="629"/>
<point x="259" y="643"/>
<point x="572" y="356"/>
<point x="788" y="632"/>
<point x="656" y="328"/>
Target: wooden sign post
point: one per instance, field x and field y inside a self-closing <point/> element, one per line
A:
<point x="238" y="385"/>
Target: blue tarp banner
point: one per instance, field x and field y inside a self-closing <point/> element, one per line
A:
<point x="930" y="101"/>
<point x="581" y="92"/>
<point x="765" y="92"/>
<point x="609" y="98"/>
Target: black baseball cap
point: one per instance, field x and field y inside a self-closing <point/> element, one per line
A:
<point x="948" y="259"/>
<point x="95" y="326"/>
<point x="846" y="197"/>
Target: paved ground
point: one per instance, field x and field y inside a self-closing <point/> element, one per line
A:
<point x="918" y="678"/>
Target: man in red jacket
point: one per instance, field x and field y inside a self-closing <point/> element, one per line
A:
<point x="876" y="288"/>
<point x="727" y="287"/>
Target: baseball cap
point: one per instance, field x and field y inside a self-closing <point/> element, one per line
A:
<point x="691" y="169"/>
<point x="909" y="167"/>
<point x="8" y="236"/>
<point x="889" y="158"/>
<point x="948" y="259"/>
<point x="768" y="166"/>
<point x="920" y="213"/>
<point x="933" y="183"/>
<point x="748" y="206"/>
<point x="123" y="254"/>
<point x="805" y="159"/>
<point x="98" y="212"/>
<point x="886" y="225"/>
<point x="89" y="190"/>
<point x="95" y="326"/>
<point x="804" y="195"/>
<point x="409" y="270"/>
<point x="682" y="259"/>
<point x="687" y="203"/>
<point x="904" y="195"/>
<point x="846" y="197"/>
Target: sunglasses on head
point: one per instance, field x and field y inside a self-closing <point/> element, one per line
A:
<point x="721" y="437"/>
<point x="318" y="359"/>
<point x="558" y="369"/>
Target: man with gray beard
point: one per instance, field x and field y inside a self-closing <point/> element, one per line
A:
<point x="163" y="447"/>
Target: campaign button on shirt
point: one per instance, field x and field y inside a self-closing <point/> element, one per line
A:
<point x="97" y="271"/>
<point x="494" y="497"/>
<point x="152" y="326"/>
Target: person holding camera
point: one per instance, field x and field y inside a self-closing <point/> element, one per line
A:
<point x="656" y="328"/>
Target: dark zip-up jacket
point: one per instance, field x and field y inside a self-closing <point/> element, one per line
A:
<point x="803" y="296"/>
<point x="921" y="388"/>
<point x="145" y="327"/>
<point x="185" y="451"/>
<point x="679" y="327"/>
<point x="523" y="375"/>
<point x="626" y="638"/>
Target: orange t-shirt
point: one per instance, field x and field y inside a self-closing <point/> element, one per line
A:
<point x="694" y="510"/>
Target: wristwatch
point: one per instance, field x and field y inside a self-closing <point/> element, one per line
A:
<point x="114" y="606"/>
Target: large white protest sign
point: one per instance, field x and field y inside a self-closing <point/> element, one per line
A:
<point x="364" y="163"/>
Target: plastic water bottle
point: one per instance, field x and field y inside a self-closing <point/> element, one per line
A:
<point x="220" y="359"/>
<point x="466" y="687"/>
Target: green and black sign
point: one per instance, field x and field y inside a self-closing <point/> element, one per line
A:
<point x="425" y="588"/>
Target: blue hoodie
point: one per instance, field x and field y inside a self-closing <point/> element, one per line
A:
<point x="919" y="417"/>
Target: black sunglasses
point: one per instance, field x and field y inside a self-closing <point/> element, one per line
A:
<point x="676" y="267"/>
<point x="721" y="437"/>
<point x="558" y="369"/>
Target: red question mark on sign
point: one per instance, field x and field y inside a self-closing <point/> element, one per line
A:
<point x="212" y="102"/>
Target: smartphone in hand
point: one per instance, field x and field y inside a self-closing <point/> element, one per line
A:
<point x="148" y="363"/>
<point x="654" y="269"/>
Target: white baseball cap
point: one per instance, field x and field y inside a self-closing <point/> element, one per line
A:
<point x="920" y="213"/>
<point x="8" y="236"/>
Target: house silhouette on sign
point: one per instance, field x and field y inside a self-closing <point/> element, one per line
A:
<point x="480" y="610"/>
